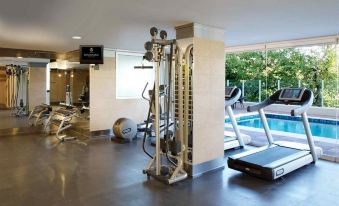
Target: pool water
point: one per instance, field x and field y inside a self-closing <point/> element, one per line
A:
<point x="327" y="128"/>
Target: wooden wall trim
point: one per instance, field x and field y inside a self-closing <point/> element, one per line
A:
<point x="25" y="53"/>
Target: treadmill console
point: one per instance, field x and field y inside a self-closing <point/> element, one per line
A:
<point x="291" y="94"/>
<point x="229" y="91"/>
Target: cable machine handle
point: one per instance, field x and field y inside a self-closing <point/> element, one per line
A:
<point x="143" y="92"/>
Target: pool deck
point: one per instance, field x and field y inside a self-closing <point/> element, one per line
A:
<point x="330" y="150"/>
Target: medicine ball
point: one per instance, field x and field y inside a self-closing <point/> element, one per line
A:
<point x="125" y="128"/>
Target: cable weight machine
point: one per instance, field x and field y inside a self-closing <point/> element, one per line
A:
<point x="167" y="164"/>
<point x="17" y="81"/>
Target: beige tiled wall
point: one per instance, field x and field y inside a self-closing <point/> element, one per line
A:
<point x="105" y="108"/>
<point x="37" y="87"/>
<point x="208" y="100"/>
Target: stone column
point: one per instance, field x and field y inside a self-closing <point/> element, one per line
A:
<point x="37" y="84"/>
<point x="208" y="78"/>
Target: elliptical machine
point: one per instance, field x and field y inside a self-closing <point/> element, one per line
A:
<point x="149" y="129"/>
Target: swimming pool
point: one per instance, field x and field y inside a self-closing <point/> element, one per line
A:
<point x="319" y="127"/>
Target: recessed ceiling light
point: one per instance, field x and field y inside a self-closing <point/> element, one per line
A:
<point x="76" y="37"/>
<point x="19" y="57"/>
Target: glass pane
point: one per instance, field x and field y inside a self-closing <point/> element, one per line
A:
<point x="330" y="91"/>
<point x="251" y="93"/>
<point x="336" y="101"/>
<point x="317" y="87"/>
<point x="232" y="83"/>
<point x="312" y="67"/>
<point x="244" y="70"/>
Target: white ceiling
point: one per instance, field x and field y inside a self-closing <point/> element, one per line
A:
<point x="124" y="24"/>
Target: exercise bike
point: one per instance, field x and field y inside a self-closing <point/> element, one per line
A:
<point x="149" y="128"/>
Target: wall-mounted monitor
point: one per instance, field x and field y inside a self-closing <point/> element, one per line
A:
<point x="91" y="54"/>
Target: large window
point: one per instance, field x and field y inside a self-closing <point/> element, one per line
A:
<point x="130" y="82"/>
<point x="245" y="70"/>
<point x="260" y="70"/>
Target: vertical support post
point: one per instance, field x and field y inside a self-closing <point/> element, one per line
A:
<point x="242" y="88"/>
<point x="157" y="119"/>
<point x="186" y="105"/>
<point x="322" y="93"/>
<point x="227" y="82"/>
<point x="15" y="91"/>
<point x="259" y="90"/>
<point x="299" y="83"/>
<point x="10" y="96"/>
<point x="181" y="103"/>
<point x="48" y="84"/>
<point x="278" y="84"/>
<point x="27" y="91"/>
<point x="9" y="84"/>
<point x="265" y="124"/>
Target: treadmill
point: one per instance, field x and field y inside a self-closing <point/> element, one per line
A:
<point x="232" y="94"/>
<point x="279" y="158"/>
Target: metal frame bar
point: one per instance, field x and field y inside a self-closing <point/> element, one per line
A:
<point x="266" y="127"/>
<point x="157" y="119"/>
<point x="235" y="125"/>
<point x="309" y="136"/>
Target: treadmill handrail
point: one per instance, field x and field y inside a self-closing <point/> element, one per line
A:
<point x="306" y="104"/>
<point x="307" y="96"/>
<point x="265" y="103"/>
<point x="230" y="101"/>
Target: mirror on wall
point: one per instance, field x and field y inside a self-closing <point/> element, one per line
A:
<point x="70" y="86"/>
<point x="14" y="82"/>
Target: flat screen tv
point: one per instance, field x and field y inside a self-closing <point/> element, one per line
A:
<point x="91" y="54"/>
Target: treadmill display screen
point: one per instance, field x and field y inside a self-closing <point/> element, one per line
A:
<point x="229" y="91"/>
<point x="292" y="94"/>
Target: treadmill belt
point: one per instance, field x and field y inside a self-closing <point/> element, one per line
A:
<point x="269" y="155"/>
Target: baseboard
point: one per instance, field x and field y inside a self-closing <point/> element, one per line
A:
<point x="206" y="167"/>
<point x="101" y="133"/>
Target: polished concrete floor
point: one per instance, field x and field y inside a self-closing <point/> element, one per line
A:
<point x="7" y="120"/>
<point x="38" y="170"/>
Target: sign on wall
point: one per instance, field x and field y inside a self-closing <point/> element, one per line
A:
<point x="91" y="54"/>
